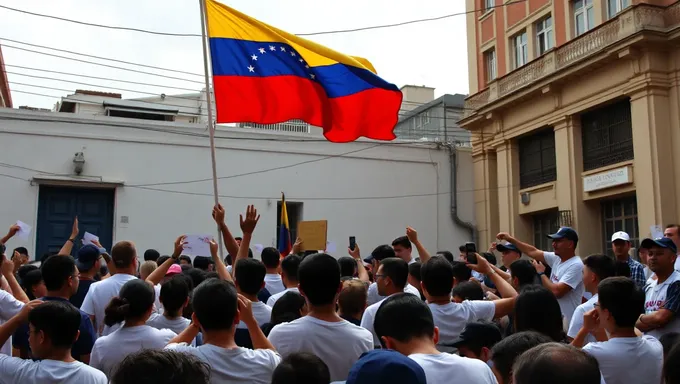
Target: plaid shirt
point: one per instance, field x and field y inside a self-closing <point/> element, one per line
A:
<point x="637" y="273"/>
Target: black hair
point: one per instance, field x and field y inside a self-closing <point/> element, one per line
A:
<point x="622" y="269"/>
<point x="184" y="258"/>
<point x="212" y="275"/>
<point x="249" y="275"/>
<point x="403" y="241"/>
<point x="668" y="340"/>
<point x="623" y="299"/>
<point x="525" y="272"/>
<point x="215" y="304"/>
<point x="556" y="363"/>
<point x="414" y="269"/>
<point x="287" y="308"/>
<point x="414" y="318"/>
<point x="476" y="345"/>
<point x="537" y="309"/>
<point x="151" y="254"/>
<point x="56" y="271"/>
<point x="602" y="266"/>
<point x="468" y="290"/>
<point x="202" y="262"/>
<point x="383" y="252"/>
<point x="396" y="269"/>
<point x="290" y="265"/>
<point x="153" y="366"/>
<point x="447" y="255"/>
<point x="196" y="275"/>
<point x="301" y="367"/>
<point x="24" y="269"/>
<point x="319" y="278"/>
<point x="21" y="250"/>
<point x="59" y="320"/>
<point x="462" y="248"/>
<point x="490" y="257"/>
<point x="461" y="271"/>
<point x="506" y="351"/>
<point x="671" y="368"/>
<point x="30" y="280"/>
<point x="270" y="257"/>
<point x="162" y="260"/>
<point x="347" y="266"/>
<point x="174" y="293"/>
<point x="437" y="276"/>
<point x="135" y="299"/>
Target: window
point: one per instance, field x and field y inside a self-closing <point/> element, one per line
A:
<point x="426" y="117"/>
<point x="294" y="217"/>
<point x="584" y="16"/>
<point x="489" y="4"/>
<point x="490" y="62"/>
<point x="616" y="6"/>
<point x="607" y="135"/>
<point x="620" y="215"/>
<point x="544" y="35"/>
<point x="545" y="224"/>
<point x="537" y="159"/>
<point x="519" y="43"/>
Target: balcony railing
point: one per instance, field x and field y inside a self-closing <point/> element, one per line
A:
<point x="630" y="21"/>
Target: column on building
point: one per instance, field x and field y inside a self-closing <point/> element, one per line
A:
<point x="486" y="196"/>
<point x="509" y="219"/>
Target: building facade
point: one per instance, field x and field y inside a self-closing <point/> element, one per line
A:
<point x="574" y="117"/>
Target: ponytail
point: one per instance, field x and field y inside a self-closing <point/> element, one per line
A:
<point x="116" y="311"/>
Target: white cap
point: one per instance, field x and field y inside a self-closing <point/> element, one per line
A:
<point x="620" y="236"/>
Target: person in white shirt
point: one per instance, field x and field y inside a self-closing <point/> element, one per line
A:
<point x="662" y="295"/>
<point x="595" y="269"/>
<point x="271" y="258"/>
<point x="151" y="366"/>
<point x="672" y="232"/>
<point x="289" y="269"/>
<point x="322" y="332"/>
<point x="382" y="252"/>
<point x="620" y="304"/>
<point x="403" y="248"/>
<point x="217" y="311"/>
<point x="566" y="279"/>
<point x="390" y="278"/>
<point x="133" y="306"/>
<point x="53" y="330"/>
<point x="415" y="335"/>
<point x="175" y="298"/>
<point x="249" y="278"/>
<point x="10" y="305"/>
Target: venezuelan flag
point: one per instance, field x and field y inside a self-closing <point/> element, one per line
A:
<point x="285" y="245"/>
<point x="264" y="75"/>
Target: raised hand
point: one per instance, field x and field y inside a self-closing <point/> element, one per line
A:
<point x="356" y="254"/>
<point x="248" y="224"/>
<point x="412" y="234"/>
<point x="179" y="246"/>
<point x="218" y="214"/>
<point x="75" y="230"/>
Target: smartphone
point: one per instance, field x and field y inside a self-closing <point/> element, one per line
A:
<point x="471" y="250"/>
<point x="352" y="242"/>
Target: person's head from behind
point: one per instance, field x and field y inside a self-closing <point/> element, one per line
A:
<point x="134" y="303"/>
<point x="402" y="248"/>
<point x="597" y="267"/>
<point x="289" y="307"/>
<point x="271" y="258"/>
<point x="147" y="268"/>
<point x="622" y="269"/>
<point x="668" y="340"/>
<point x="461" y="272"/>
<point x="203" y="263"/>
<point x="671" y="365"/>
<point x="151" y="255"/>
<point x="352" y="299"/>
<point x="436" y="278"/>
<point x="124" y="257"/>
<point x="537" y="309"/>
<point x="391" y="276"/>
<point x="289" y="270"/>
<point x="60" y="275"/>
<point x="620" y="303"/>
<point x="447" y="255"/>
<point x="467" y="290"/>
<point x="175" y="294"/>
<point x="185" y="260"/>
<point x="414" y="275"/>
<point x="319" y="278"/>
<point x="383" y="366"/>
<point x="152" y="366"/>
<point x="53" y="328"/>
<point x="20" y="255"/>
<point x="215" y="305"/>
<point x="414" y="323"/>
<point x="249" y="277"/>
<point x="301" y="367"/>
<point x="163" y="259"/>
<point x="196" y="275"/>
<point x="381" y="252"/>
<point x="33" y="284"/>
<point x="477" y="339"/>
<point x="556" y="363"/>
<point x="523" y="274"/>
<point x="506" y="351"/>
<point x="348" y="266"/>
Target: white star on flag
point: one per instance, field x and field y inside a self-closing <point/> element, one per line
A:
<point x="251" y="68"/>
<point x="283" y="49"/>
<point x="301" y="60"/>
<point x="292" y="53"/>
<point x="312" y="75"/>
<point x="262" y="50"/>
<point x="272" y="48"/>
<point x="254" y="57"/>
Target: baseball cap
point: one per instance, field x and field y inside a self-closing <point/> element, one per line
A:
<point x="484" y="334"/>
<point x="87" y="256"/>
<point x="174" y="270"/>
<point x="385" y="366"/>
<point x="620" y="235"/>
<point x="565" y="233"/>
<point x="664" y="242"/>
<point x="380" y="252"/>
<point x="507" y="247"/>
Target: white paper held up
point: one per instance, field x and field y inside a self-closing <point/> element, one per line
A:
<point x="656" y="231"/>
<point x="331" y="247"/>
<point x="259" y="248"/>
<point x="88" y="238"/>
<point x="24" y="231"/>
<point x="197" y="245"/>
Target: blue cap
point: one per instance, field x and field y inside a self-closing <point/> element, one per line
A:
<point x="87" y="256"/>
<point x="565" y="233"/>
<point x="507" y="247"/>
<point x="664" y="242"/>
<point x="386" y="366"/>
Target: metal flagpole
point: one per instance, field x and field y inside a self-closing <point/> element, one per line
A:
<point x="208" y="96"/>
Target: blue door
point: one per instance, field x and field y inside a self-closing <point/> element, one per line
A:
<point x="58" y="206"/>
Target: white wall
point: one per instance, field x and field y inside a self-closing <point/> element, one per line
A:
<point x="127" y="151"/>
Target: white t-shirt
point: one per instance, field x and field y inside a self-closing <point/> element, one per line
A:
<point x="262" y="313"/>
<point x="374" y="296"/>
<point x="158" y="306"/>
<point x="626" y="360"/>
<point x="100" y="294"/>
<point x="569" y="272"/>
<point x="16" y="370"/>
<point x="272" y="299"/>
<point x="368" y="318"/>
<point x="677" y="263"/>
<point x="665" y="295"/>
<point x="448" y="368"/>
<point x="110" y="350"/>
<point x="235" y="365"/>
<point x="9" y="307"/>
<point x="338" y="344"/>
<point x="273" y="283"/>
<point x="577" y="319"/>
<point x="452" y="318"/>
<point x="177" y="325"/>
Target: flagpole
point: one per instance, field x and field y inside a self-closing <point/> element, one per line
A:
<point x="211" y="125"/>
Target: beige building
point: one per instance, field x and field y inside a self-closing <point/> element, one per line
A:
<point x="575" y="118"/>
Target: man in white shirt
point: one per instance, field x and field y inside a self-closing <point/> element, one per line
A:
<point x="625" y="357"/>
<point x="289" y="270"/>
<point x="566" y="279"/>
<point x="403" y="248"/>
<point x="672" y="232"/>
<point x="271" y="258"/>
<point x="322" y="332"/>
<point x="404" y="324"/>
<point x="53" y="330"/>
<point x="595" y="269"/>
<point x="390" y="279"/>
<point x="249" y="278"/>
<point x="382" y="252"/>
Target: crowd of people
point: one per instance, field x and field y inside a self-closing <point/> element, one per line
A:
<point x="105" y="316"/>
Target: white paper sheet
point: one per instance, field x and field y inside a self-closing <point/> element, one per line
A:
<point x="259" y="248"/>
<point x="197" y="245"/>
<point x="656" y="231"/>
<point x="24" y="231"/>
<point x="88" y="238"/>
<point x="331" y="247"/>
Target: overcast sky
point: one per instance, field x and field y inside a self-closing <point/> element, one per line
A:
<point x="431" y="53"/>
